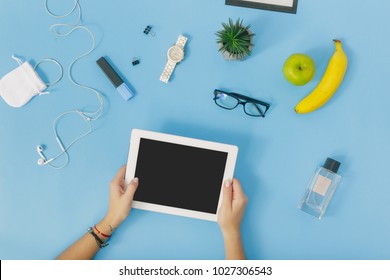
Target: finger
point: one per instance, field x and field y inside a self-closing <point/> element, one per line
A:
<point x="227" y="193"/>
<point x="238" y="193"/>
<point x="131" y="188"/>
<point x="121" y="185"/>
<point x="117" y="183"/>
<point x="120" y="175"/>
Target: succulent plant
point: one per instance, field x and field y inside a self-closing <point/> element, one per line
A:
<point x="235" y="38"/>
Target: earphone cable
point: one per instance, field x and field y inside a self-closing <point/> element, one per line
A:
<point x="86" y="116"/>
<point x="65" y="150"/>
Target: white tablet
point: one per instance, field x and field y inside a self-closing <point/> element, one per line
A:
<point x="179" y="175"/>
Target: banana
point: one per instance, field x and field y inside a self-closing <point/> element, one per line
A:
<point x="329" y="83"/>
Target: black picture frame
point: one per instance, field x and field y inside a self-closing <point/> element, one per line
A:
<point x="264" y="6"/>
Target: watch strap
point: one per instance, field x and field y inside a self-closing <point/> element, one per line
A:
<point x="181" y="41"/>
<point x="166" y="74"/>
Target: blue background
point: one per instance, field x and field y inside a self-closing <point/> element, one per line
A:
<point x="42" y="211"/>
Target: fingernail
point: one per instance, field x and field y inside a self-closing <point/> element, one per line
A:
<point x="228" y="183"/>
<point x="135" y="180"/>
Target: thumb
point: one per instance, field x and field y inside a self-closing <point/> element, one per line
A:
<point x="227" y="193"/>
<point x="131" y="188"/>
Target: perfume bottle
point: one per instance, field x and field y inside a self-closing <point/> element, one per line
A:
<point x="321" y="188"/>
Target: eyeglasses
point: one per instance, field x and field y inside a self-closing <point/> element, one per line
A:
<point x="230" y="101"/>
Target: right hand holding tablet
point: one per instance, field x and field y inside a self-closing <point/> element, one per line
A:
<point x="232" y="208"/>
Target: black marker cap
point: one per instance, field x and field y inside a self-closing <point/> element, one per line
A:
<point x="332" y="165"/>
<point x="110" y="72"/>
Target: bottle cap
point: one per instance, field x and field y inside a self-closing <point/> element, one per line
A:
<point x="332" y="165"/>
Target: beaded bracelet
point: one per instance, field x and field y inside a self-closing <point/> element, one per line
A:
<point x="99" y="242"/>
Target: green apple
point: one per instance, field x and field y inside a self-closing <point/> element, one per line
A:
<point x="299" y="69"/>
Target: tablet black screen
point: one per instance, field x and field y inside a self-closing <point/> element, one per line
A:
<point x="179" y="176"/>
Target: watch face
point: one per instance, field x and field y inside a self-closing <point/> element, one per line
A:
<point x="176" y="54"/>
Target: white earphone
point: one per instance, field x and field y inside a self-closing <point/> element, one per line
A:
<point x="64" y="151"/>
<point x="87" y="117"/>
<point x="43" y="160"/>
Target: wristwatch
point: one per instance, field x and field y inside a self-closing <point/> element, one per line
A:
<point x="175" y="55"/>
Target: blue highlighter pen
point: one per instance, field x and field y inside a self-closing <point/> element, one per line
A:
<point x="117" y="81"/>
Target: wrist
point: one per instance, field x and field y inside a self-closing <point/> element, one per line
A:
<point x="105" y="228"/>
<point x="233" y="245"/>
<point x="231" y="234"/>
<point x="112" y="220"/>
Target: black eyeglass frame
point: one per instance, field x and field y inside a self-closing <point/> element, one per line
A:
<point x="239" y="98"/>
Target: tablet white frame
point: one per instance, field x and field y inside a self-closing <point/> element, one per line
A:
<point x="137" y="134"/>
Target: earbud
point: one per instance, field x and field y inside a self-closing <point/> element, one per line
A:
<point x="39" y="151"/>
<point x="42" y="160"/>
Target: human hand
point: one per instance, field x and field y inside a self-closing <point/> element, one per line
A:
<point x="121" y="197"/>
<point x="232" y="208"/>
